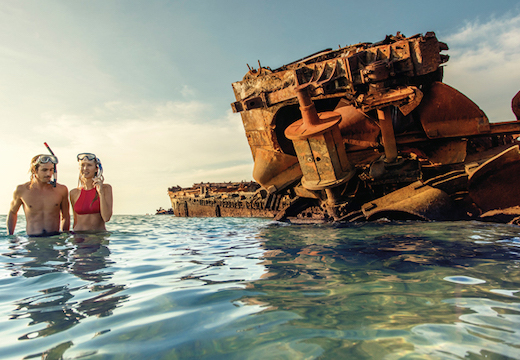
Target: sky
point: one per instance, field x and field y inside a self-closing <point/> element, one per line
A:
<point x="146" y="85"/>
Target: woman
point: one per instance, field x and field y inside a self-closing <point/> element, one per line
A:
<point x="92" y="199"/>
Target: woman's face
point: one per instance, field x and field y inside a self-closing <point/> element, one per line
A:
<point x="87" y="168"/>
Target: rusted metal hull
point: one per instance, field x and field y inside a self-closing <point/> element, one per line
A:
<point x="370" y="131"/>
<point x="219" y="208"/>
<point x="515" y="105"/>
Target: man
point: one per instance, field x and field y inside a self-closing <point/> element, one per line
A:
<point x="45" y="204"/>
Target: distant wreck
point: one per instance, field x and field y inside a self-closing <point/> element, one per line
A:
<point x="232" y="199"/>
<point x="364" y="132"/>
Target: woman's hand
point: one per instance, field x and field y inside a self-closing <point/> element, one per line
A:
<point x="98" y="184"/>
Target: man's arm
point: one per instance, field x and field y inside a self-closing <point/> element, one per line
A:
<point x="12" y="216"/>
<point x="65" y="212"/>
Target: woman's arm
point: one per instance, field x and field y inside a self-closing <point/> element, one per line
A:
<point x="74" y="195"/>
<point x="105" y="200"/>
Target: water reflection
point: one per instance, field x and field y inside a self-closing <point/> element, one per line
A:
<point x="53" y="260"/>
<point x="369" y="294"/>
<point x="393" y="291"/>
<point x="490" y="328"/>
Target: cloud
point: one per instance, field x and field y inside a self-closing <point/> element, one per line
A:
<point x="188" y="92"/>
<point x="484" y="63"/>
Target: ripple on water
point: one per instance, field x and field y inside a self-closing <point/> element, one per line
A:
<point x="161" y="287"/>
<point x="465" y="280"/>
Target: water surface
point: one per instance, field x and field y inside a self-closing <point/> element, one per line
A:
<point x="161" y="287"/>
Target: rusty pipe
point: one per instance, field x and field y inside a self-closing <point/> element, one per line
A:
<point x="387" y="132"/>
<point x="307" y="108"/>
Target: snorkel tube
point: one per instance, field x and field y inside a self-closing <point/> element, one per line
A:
<point x="55" y="175"/>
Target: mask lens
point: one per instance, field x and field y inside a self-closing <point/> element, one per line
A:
<point x="87" y="156"/>
<point x="44" y="159"/>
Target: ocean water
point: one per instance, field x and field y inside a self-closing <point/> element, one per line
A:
<point x="161" y="287"/>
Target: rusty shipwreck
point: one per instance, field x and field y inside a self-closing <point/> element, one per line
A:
<point x="227" y="199"/>
<point x="370" y="131"/>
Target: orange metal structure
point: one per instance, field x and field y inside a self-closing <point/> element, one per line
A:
<point x="370" y="130"/>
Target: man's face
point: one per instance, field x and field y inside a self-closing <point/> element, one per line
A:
<point x="45" y="172"/>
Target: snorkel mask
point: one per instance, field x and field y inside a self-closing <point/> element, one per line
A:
<point x="43" y="159"/>
<point x="92" y="157"/>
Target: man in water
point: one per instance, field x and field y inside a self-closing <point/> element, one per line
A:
<point x="45" y="203"/>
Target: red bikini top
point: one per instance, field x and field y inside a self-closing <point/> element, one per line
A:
<point x="88" y="202"/>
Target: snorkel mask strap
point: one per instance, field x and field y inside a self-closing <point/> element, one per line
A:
<point x="100" y="169"/>
<point x="55" y="175"/>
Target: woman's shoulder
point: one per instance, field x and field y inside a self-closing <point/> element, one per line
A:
<point x="74" y="193"/>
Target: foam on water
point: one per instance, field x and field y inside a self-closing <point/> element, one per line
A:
<point x="160" y="287"/>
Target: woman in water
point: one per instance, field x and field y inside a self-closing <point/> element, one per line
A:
<point x="92" y="199"/>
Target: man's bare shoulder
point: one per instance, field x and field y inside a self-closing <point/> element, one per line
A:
<point x="22" y="188"/>
<point x="62" y="189"/>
